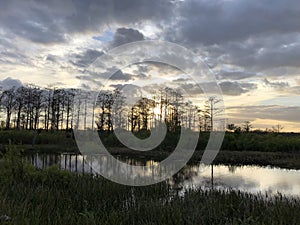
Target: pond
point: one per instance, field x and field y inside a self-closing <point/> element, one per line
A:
<point x="253" y="179"/>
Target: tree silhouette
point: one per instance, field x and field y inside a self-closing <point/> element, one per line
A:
<point x="277" y="128"/>
<point x="247" y="126"/>
<point x="211" y="110"/>
<point x="8" y="102"/>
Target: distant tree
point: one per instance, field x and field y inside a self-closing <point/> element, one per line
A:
<point x="141" y="114"/>
<point x="204" y="120"/>
<point x="234" y="128"/>
<point x="278" y="128"/>
<point x="8" y="102"/>
<point x="211" y="110"/>
<point x="37" y="106"/>
<point x="231" y="127"/>
<point x="48" y="98"/>
<point x="237" y="129"/>
<point x="70" y="94"/>
<point x="20" y="103"/>
<point x="145" y="106"/>
<point x="247" y="126"/>
<point x="118" y="108"/>
<point x="268" y="130"/>
<point x="175" y="104"/>
<point x="168" y="101"/>
<point x="105" y="103"/>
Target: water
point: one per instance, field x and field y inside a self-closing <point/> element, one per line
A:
<point x="253" y="179"/>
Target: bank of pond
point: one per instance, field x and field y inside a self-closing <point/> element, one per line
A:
<point x="62" y="141"/>
<point x="65" y="188"/>
<point x="262" y="149"/>
<point x="54" y="195"/>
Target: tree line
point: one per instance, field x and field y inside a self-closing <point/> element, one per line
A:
<point x="247" y="127"/>
<point x="31" y="107"/>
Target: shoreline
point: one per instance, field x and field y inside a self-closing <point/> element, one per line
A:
<point x="284" y="160"/>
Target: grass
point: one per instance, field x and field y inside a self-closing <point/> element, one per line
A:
<point x="277" y="159"/>
<point x="280" y="150"/>
<point x="264" y="142"/>
<point x="32" y="196"/>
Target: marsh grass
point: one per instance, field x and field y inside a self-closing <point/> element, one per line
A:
<point x="262" y="142"/>
<point x="52" y="196"/>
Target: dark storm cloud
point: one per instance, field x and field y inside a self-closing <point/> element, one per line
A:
<point x="273" y="55"/>
<point x="125" y="35"/>
<point x="209" y="22"/>
<point x="263" y="53"/>
<point x="35" y="24"/>
<point x="253" y="35"/>
<point x="91" y="14"/>
<point x="190" y="21"/>
<point x="52" y="21"/>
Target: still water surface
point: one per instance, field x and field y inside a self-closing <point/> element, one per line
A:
<point x="253" y="179"/>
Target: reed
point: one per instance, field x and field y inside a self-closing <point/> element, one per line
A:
<point x="52" y="197"/>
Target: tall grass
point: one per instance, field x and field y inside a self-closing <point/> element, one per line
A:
<point x="23" y="137"/>
<point x="59" y="197"/>
<point x="264" y="142"/>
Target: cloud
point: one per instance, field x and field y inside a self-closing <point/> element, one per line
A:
<point x="269" y="112"/>
<point x="268" y="54"/>
<point x="216" y="22"/>
<point x="191" y="88"/>
<point x="31" y="22"/>
<point x="126" y="35"/>
<point x="49" y="22"/>
<point x="290" y="90"/>
<point x="279" y="85"/>
<point x="295" y="90"/>
<point x="131" y="92"/>
<point x="112" y="73"/>
<point x="235" y="75"/>
<point x="11" y="55"/>
<point x="90" y="80"/>
<point x="235" y="88"/>
<point x="86" y="58"/>
<point x="51" y="58"/>
<point x="249" y="44"/>
<point x="120" y="76"/>
<point x="9" y="83"/>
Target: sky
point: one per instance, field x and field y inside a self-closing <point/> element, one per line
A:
<point x="251" y="46"/>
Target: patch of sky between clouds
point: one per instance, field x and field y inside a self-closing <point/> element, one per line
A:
<point x="107" y="37"/>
